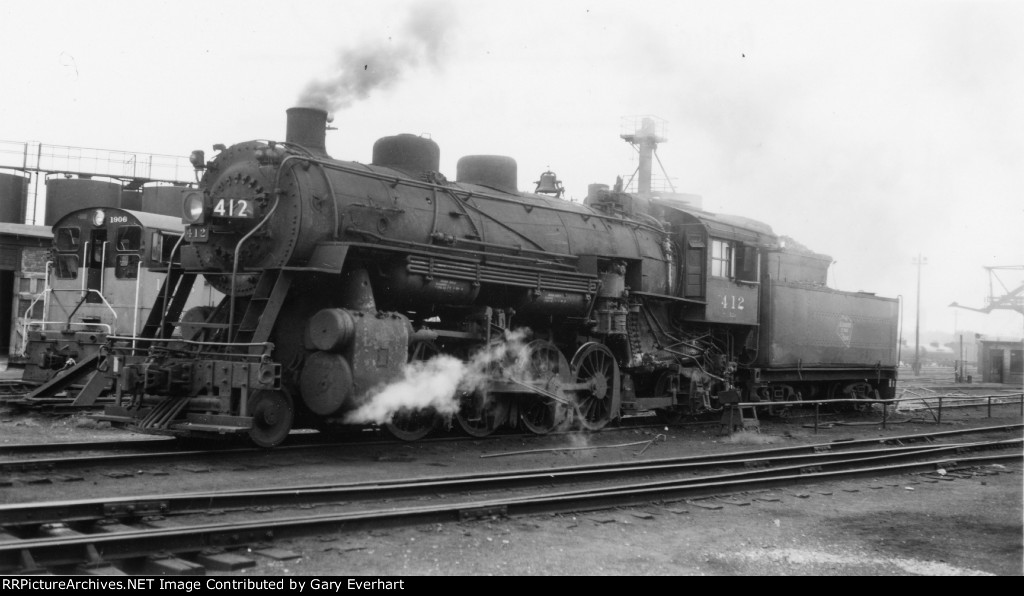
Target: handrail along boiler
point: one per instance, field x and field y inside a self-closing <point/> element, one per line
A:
<point x="337" y="273"/>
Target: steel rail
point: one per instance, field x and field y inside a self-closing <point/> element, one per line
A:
<point x="13" y="515"/>
<point x="86" y="445"/>
<point x="54" y="463"/>
<point x="11" y="389"/>
<point x="29" y="554"/>
<point x="840" y="464"/>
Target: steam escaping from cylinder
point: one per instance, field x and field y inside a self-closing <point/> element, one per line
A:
<point x="372" y="66"/>
<point x="430" y="384"/>
<point x="439" y="383"/>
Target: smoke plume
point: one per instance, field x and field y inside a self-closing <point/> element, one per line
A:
<point x="439" y="382"/>
<point x="379" y="65"/>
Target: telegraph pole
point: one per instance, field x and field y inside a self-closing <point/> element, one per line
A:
<point x="919" y="261"/>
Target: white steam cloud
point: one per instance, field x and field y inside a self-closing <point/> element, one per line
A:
<point x="439" y="382"/>
<point x="379" y="65"/>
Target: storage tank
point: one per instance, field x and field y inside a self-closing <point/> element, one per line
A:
<point x="131" y="200"/>
<point x="165" y="200"/>
<point x="13" y="192"/>
<point x="64" y="195"/>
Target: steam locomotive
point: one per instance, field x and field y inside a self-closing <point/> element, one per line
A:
<point x="339" y="276"/>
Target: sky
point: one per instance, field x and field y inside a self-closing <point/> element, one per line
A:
<point x="873" y="132"/>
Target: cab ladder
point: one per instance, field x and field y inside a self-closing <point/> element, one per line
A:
<point x="262" y="309"/>
<point x="167" y="309"/>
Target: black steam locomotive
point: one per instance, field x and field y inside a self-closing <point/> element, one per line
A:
<point x="340" y="276"/>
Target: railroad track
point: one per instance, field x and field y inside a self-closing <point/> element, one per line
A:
<point x="155" y="451"/>
<point x="79" y="455"/>
<point x="13" y="389"/>
<point x="97" y="534"/>
<point x="76" y="446"/>
<point x="369" y="436"/>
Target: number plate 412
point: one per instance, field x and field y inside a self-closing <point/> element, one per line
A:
<point x="197" y="234"/>
<point x="234" y="208"/>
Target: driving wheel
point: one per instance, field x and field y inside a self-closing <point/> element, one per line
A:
<point x="595" y="365"/>
<point x="480" y="413"/>
<point x="543" y="366"/>
<point x="412" y="425"/>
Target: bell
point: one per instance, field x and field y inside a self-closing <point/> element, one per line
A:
<point x="549" y="184"/>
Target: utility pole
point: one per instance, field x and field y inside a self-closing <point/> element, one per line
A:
<point x="919" y="261"/>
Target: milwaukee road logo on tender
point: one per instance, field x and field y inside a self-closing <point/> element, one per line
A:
<point x="845" y="330"/>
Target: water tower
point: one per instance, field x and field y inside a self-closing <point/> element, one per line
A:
<point x="644" y="133"/>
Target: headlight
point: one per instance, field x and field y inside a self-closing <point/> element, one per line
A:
<point x="193" y="208"/>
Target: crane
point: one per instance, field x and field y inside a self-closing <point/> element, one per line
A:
<point x="1010" y="300"/>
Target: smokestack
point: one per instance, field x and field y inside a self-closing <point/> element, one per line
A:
<point x="307" y="127"/>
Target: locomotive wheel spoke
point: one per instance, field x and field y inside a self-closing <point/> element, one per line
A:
<point x="541" y="416"/>
<point x="480" y="414"/>
<point x="410" y="425"/>
<point x="595" y="365"/>
<point x="272" y="415"/>
<point x="413" y="425"/>
<point x="545" y="367"/>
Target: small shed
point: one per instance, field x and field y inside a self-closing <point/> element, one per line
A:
<point x="24" y="250"/>
<point x="1001" y="360"/>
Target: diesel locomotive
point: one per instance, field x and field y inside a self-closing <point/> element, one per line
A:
<point x="102" y="276"/>
<point x="339" y="276"/>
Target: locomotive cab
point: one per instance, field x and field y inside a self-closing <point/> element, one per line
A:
<point x="721" y="264"/>
<point x="110" y="243"/>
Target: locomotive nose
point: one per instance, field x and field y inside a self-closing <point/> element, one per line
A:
<point x="233" y="198"/>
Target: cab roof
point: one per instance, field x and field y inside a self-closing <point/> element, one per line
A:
<point x="145" y="219"/>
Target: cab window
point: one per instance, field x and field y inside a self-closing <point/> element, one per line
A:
<point x="66" y="266"/>
<point x="163" y="247"/>
<point x="721" y="258"/>
<point x="747" y="264"/>
<point x="68" y="239"/>
<point x="129" y="238"/>
<point x="126" y="266"/>
<point x="733" y="260"/>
